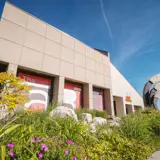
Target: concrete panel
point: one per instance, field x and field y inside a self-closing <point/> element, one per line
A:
<point x="107" y="82"/>
<point x="10" y="52"/>
<point x="99" y="67"/>
<point x="12" y="32"/>
<point x="67" y="41"/>
<point x="12" y="68"/>
<point x="98" y="56"/>
<point x="58" y="92"/>
<point x="90" y="77"/>
<point x="15" y="15"/>
<point x="106" y="60"/>
<point x="80" y="59"/>
<point x="51" y="65"/>
<point x="52" y="48"/>
<point x="108" y="101"/>
<point x="34" y="41"/>
<point x="36" y="26"/>
<point x="107" y="71"/>
<point x="66" y="69"/>
<point x="79" y="74"/>
<point x="99" y="79"/>
<point x="67" y="54"/>
<point x="119" y="105"/>
<point x="90" y="64"/>
<point x="88" y="96"/>
<point x="53" y="34"/>
<point x="31" y="58"/>
<point x="90" y="52"/>
<point x="79" y="47"/>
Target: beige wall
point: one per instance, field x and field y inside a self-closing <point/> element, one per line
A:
<point x="122" y="88"/>
<point x="29" y="42"/>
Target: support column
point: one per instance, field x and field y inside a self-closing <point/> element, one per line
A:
<point x="124" y="107"/>
<point x="120" y="107"/>
<point x="108" y="101"/>
<point x="88" y="96"/>
<point x="58" y="89"/>
<point x="12" y="68"/>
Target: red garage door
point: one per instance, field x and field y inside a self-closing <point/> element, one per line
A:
<point x="39" y="94"/>
<point x="73" y="94"/>
<point x="98" y="99"/>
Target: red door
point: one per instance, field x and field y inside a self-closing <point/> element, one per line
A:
<point x="38" y="95"/>
<point x="98" y="99"/>
<point x="73" y="94"/>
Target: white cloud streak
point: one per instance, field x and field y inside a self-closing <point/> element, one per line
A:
<point x="107" y="23"/>
<point x="147" y="52"/>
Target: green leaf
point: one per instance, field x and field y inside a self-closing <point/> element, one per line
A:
<point x="10" y="129"/>
<point x="34" y="155"/>
<point x="3" y="152"/>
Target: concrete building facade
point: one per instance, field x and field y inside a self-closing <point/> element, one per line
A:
<point x="61" y="68"/>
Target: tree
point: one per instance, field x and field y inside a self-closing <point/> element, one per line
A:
<point x="13" y="91"/>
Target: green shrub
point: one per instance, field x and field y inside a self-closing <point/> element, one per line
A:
<point x="94" y="113"/>
<point x="111" y="147"/>
<point x="136" y="126"/>
<point x="65" y="138"/>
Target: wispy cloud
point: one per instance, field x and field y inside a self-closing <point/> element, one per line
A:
<point x="135" y="36"/>
<point x="146" y="52"/>
<point x="135" y="44"/>
<point x="107" y="23"/>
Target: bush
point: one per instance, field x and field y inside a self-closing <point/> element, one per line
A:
<point x="94" y="113"/>
<point x="13" y="91"/>
<point x="136" y="126"/>
<point x="38" y="136"/>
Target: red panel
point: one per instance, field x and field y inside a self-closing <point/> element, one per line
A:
<point x="98" y="98"/>
<point x="35" y="79"/>
<point x="39" y="94"/>
<point x="77" y="89"/>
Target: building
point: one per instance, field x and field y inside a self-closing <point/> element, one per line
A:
<point x="60" y="68"/>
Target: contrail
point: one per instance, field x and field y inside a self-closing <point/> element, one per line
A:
<point x="107" y="23"/>
<point x="147" y="52"/>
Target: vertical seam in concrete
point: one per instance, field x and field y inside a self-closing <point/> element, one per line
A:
<point x="60" y="60"/>
<point x="24" y="38"/>
<point x="44" y="47"/>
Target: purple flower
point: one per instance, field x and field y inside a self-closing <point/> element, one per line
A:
<point x="38" y="140"/>
<point x="66" y="151"/>
<point x="14" y="159"/>
<point x="11" y="153"/>
<point x="40" y="154"/>
<point x="10" y="145"/>
<point x="74" y="158"/>
<point x="33" y="140"/>
<point x="62" y="143"/>
<point x="69" y="141"/>
<point x="44" y="147"/>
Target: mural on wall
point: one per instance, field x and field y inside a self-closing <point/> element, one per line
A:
<point x="98" y="96"/>
<point x="38" y="95"/>
<point x="151" y="92"/>
<point x="73" y="95"/>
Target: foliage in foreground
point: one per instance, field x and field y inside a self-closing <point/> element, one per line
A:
<point x="38" y="136"/>
<point x="12" y="91"/>
<point x="94" y="113"/>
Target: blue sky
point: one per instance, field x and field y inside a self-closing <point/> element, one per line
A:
<point x="128" y="29"/>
